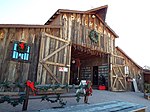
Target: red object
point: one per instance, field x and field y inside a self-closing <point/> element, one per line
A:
<point x="22" y="46"/>
<point x="78" y="62"/>
<point x="31" y="85"/>
<point x="102" y="87"/>
<point x="89" y="88"/>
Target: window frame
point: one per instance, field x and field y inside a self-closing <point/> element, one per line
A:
<point x="15" y="50"/>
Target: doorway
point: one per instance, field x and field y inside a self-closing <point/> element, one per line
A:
<point x="75" y="71"/>
<point x="95" y="75"/>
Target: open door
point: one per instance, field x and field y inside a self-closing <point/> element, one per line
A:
<point x="54" y="60"/>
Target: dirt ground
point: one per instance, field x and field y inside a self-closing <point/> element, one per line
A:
<point x="97" y="97"/>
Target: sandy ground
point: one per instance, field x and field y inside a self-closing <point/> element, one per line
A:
<point x="97" y="97"/>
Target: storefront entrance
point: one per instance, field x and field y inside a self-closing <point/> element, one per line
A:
<point x="88" y="65"/>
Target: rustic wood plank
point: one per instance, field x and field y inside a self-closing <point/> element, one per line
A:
<point x="56" y="64"/>
<point x="64" y="52"/>
<point x="12" y="72"/>
<point x="121" y="84"/>
<point x="117" y="65"/>
<point x="50" y="72"/>
<point x="54" y="52"/>
<point x="12" y="93"/>
<point x="25" y="66"/>
<point x="114" y="82"/>
<point x="118" y="56"/>
<point x="25" y="103"/>
<point x="41" y="56"/>
<point x="54" y="37"/>
<point x="69" y="65"/>
<point x="69" y="29"/>
<point x="7" y="54"/>
<point x="54" y="67"/>
<point x="65" y="60"/>
<point x="35" y="48"/>
<point x="46" y="53"/>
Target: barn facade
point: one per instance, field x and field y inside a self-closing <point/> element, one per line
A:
<point x="71" y="46"/>
<point x="132" y="71"/>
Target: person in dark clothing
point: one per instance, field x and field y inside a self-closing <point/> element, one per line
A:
<point x="103" y="81"/>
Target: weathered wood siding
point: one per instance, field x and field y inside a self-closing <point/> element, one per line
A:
<point x="135" y="71"/>
<point x="18" y="71"/>
<point x="60" y="59"/>
<point x="78" y="26"/>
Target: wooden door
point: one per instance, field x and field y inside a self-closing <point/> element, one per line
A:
<point x="54" y="60"/>
<point x="118" y="78"/>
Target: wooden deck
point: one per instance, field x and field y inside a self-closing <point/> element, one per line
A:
<point x="113" y="106"/>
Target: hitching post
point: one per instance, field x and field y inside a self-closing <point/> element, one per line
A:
<point x="25" y="103"/>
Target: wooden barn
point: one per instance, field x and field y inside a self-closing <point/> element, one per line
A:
<point x="71" y="46"/>
<point x="131" y="71"/>
<point x="146" y="74"/>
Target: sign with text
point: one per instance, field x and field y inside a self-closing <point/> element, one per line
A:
<point x="63" y="69"/>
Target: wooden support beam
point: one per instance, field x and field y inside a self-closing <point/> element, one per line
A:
<point x="116" y="65"/>
<point x="25" y="103"/>
<point x="56" y="64"/>
<point x="50" y="72"/>
<point x="121" y="83"/>
<point x="54" y="37"/>
<point x="12" y="93"/>
<point x="117" y="56"/>
<point x="122" y="73"/>
<point x="54" y="52"/>
<point x="69" y="63"/>
<point x="115" y="82"/>
<point x="114" y="72"/>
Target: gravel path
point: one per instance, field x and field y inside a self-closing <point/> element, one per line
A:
<point x="97" y="97"/>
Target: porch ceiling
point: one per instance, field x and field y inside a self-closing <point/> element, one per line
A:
<point x="84" y="53"/>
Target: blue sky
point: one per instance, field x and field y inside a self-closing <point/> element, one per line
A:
<point x="128" y="18"/>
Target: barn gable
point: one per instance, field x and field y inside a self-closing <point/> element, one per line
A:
<point x="99" y="12"/>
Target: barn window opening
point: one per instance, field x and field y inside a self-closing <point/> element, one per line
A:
<point x="21" y="51"/>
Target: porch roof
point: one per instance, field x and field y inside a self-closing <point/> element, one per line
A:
<point x="84" y="52"/>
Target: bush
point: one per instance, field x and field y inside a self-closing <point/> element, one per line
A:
<point x="147" y="88"/>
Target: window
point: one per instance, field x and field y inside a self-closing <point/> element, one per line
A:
<point x="21" y="51"/>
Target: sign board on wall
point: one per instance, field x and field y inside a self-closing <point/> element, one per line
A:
<point x="126" y="69"/>
<point x="63" y="69"/>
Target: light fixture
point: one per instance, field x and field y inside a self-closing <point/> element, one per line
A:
<point x="93" y="16"/>
<point x="73" y="61"/>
